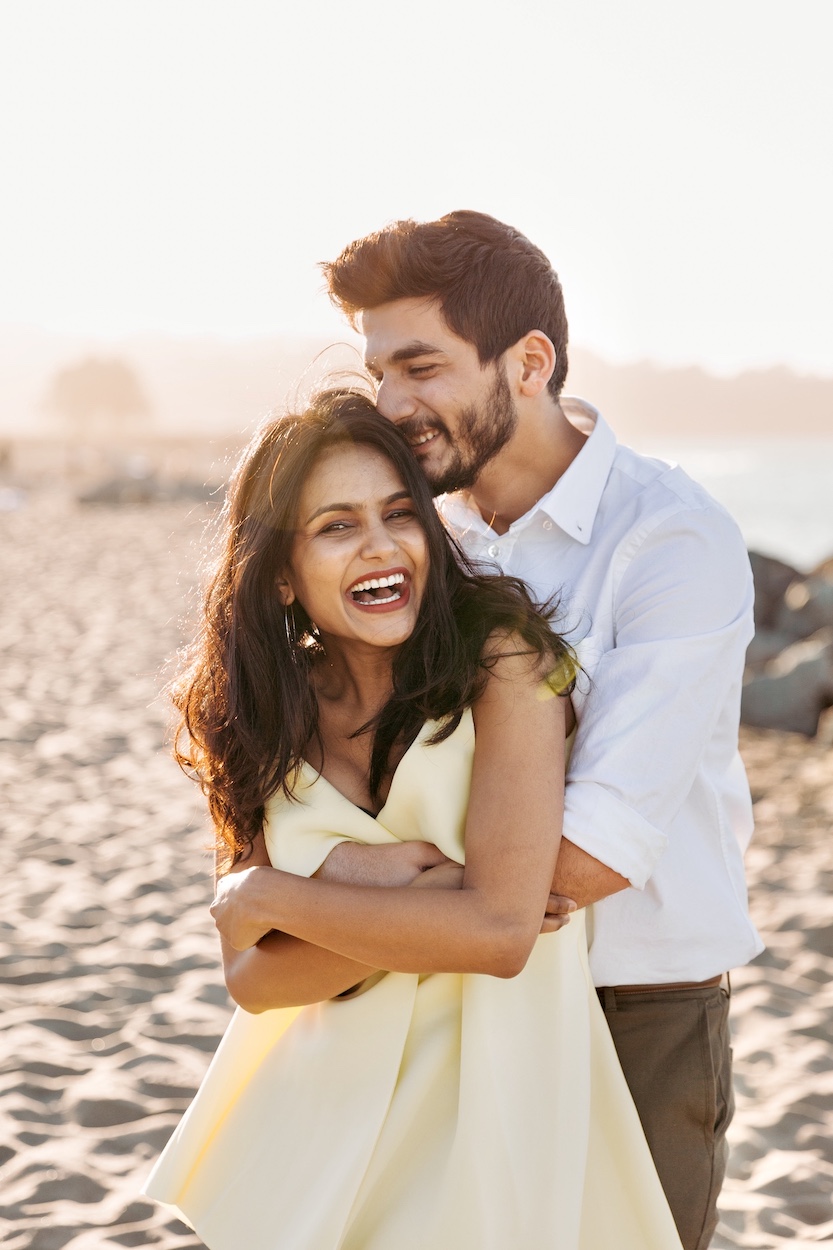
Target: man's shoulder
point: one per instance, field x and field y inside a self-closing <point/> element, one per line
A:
<point x="651" y="485"/>
<point x="627" y="483"/>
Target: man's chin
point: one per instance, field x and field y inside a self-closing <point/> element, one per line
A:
<point x="447" y="481"/>
<point x="445" y="474"/>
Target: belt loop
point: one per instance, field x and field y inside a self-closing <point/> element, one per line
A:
<point x="609" y="993"/>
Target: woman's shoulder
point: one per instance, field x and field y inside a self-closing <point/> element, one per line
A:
<point x="507" y="655"/>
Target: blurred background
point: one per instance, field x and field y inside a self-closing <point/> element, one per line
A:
<point x="175" y="171"/>
<point x="172" y="173"/>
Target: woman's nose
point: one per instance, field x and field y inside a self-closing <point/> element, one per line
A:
<point x="379" y="542"/>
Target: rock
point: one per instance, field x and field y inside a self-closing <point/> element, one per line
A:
<point x="772" y="577"/>
<point x="794" y="688"/>
<point x="807" y="607"/>
<point x="765" y="646"/>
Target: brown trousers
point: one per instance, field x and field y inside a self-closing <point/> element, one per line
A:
<point x="674" y="1049"/>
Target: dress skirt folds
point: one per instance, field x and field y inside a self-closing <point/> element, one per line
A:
<point x="439" y="1112"/>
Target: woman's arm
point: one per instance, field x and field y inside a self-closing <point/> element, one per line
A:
<point x="512" y="835"/>
<point x="285" y="971"/>
<point x="281" y="970"/>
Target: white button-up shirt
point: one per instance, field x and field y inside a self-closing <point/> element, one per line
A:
<point x="656" y="591"/>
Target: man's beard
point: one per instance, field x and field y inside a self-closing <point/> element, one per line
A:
<point x="481" y="434"/>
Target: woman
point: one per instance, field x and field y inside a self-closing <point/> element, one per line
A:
<point x="355" y="682"/>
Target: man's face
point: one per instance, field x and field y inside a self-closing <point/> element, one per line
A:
<point x="456" y="413"/>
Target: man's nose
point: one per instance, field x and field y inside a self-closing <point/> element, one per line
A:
<point x="394" y="400"/>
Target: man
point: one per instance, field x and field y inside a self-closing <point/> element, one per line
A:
<point x="466" y="337"/>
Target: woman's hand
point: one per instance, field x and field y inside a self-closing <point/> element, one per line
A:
<point x="238" y="909"/>
<point x="445" y="876"/>
<point x="392" y="864"/>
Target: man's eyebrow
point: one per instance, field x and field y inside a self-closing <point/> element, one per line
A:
<point x="355" y="507"/>
<point x="416" y="348"/>
<point x="409" y="352"/>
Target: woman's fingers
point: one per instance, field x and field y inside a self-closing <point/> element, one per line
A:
<point x="232" y="912"/>
<point x="394" y="864"/>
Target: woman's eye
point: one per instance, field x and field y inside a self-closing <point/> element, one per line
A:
<point x="336" y="527"/>
<point x="402" y="514"/>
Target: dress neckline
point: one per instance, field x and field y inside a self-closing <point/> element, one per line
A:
<point x="425" y="732"/>
<point x="427" y="729"/>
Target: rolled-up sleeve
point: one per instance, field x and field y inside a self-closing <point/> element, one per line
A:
<point x="682" y="596"/>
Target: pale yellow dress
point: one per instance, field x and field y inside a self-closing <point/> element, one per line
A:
<point x="440" y="1112"/>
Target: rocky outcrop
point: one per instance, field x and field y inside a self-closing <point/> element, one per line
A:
<point x="772" y="577"/>
<point x="789" y="677"/>
<point x="794" y="688"/>
<point x="807" y="606"/>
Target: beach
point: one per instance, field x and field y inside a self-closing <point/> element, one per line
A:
<point x="112" y="994"/>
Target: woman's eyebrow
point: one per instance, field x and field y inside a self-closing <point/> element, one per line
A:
<point x="355" y="507"/>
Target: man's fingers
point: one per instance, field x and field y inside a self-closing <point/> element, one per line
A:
<point x="553" y="923"/>
<point x="559" y="910"/>
<point x="558" y="905"/>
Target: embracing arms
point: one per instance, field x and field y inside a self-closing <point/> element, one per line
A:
<point x="285" y="971"/>
<point x="512" y="832"/>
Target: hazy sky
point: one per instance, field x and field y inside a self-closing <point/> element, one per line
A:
<point x="181" y="165"/>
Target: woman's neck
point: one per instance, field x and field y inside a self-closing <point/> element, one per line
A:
<point x="359" y="679"/>
<point x="352" y="687"/>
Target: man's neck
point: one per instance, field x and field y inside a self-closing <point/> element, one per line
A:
<point x="544" y="446"/>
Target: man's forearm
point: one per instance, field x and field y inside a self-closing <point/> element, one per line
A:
<point x="582" y="878"/>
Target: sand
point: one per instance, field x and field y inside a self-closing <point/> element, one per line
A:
<point x="109" y="972"/>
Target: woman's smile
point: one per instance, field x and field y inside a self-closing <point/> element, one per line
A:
<point x="382" y="591"/>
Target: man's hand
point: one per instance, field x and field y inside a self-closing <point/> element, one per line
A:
<point x="238" y="906"/>
<point x="394" y="864"/>
<point x="558" y="913"/>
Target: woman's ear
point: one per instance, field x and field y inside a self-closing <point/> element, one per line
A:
<point x="285" y="592"/>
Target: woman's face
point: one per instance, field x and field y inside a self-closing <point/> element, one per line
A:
<point x="359" y="559"/>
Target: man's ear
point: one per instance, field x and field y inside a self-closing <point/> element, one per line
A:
<point x="534" y="359"/>
<point x="285" y="592"/>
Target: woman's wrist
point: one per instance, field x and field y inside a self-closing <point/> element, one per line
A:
<point x="264" y="896"/>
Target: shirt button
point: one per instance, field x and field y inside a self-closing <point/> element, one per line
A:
<point x="492" y="551"/>
<point x="548" y="525"/>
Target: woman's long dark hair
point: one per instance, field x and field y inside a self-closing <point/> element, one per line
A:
<point x="247" y="697"/>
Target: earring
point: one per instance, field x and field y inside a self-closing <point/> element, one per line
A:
<point x="291" y="630"/>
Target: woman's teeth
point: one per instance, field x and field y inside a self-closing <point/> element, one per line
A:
<point x="369" y="589"/>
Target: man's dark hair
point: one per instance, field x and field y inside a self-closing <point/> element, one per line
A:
<point x="492" y="285"/>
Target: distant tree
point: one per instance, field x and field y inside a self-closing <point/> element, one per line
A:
<point x="98" y="397"/>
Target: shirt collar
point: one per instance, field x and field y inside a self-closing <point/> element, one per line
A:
<point x="574" y="500"/>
